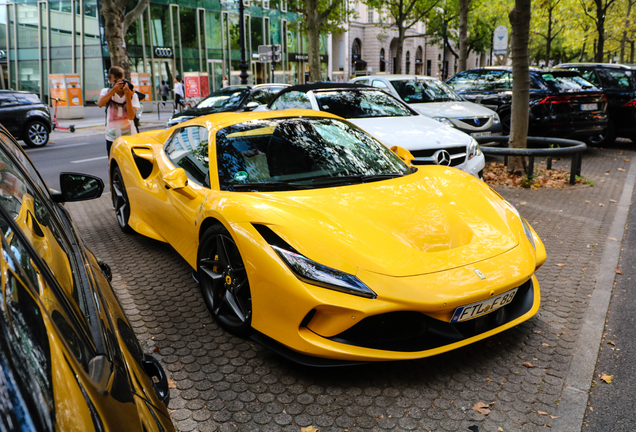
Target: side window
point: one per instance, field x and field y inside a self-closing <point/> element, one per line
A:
<point x="23" y="160"/>
<point x="590" y="76"/>
<point x="365" y="82"/>
<point x="293" y="100"/>
<point x="380" y="84"/>
<point x="188" y="149"/>
<point x="43" y="230"/>
<point x="494" y="80"/>
<point x="464" y="81"/>
<point x="259" y="96"/>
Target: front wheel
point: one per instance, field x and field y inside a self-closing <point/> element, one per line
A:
<point x="223" y="280"/>
<point x="36" y="134"/>
<point x="120" y="201"/>
<point x="605" y="138"/>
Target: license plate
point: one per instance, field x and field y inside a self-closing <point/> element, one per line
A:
<point x="480" y="134"/>
<point x="589" y="107"/>
<point x="474" y="310"/>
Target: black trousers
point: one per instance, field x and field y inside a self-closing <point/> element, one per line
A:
<point x="108" y="145"/>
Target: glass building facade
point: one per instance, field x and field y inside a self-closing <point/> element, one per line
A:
<point x="38" y="38"/>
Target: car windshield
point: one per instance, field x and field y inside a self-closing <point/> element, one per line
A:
<point x="419" y="91"/>
<point x="567" y="83"/>
<point x="224" y="99"/>
<point x="300" y="153"/>
<point x="353" y="104"/>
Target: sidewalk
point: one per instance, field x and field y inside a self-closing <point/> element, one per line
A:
<point x="533" y="377"/>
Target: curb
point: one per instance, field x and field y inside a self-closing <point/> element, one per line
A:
<point x="571" y="410"/>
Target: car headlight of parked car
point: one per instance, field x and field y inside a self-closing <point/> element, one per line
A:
<point x="473" y="149"/>
<point x="317" y="274"/>
<point x="495" y="119"/>
<point x="444" y="120"/>
<point x="176" y="120"/>
<point x="528" y="231"/>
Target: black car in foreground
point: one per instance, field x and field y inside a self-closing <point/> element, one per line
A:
<point x="25" y="116"/>
<point x="562" y="103"/>
<point x="232" y="98"/>
<point x="619" y="85"/>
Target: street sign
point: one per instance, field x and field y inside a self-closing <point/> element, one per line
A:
<point x="500" y="41"/>
<point x="269" y="53"/>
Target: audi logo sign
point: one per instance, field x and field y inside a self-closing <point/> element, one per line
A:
<point x="163" y="52"/>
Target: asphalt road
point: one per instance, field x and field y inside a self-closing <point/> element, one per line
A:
<point x="82" y="154"/>
<point x="611" y="405"/>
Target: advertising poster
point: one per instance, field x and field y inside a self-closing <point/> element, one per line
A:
<point x="191" y="83"/>
<point x="57" y="86"/>
<point x="144" y="85"/>
<point x="205" y="85"/>
<point x="74" y="90"/>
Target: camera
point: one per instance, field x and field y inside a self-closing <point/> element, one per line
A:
<point x="129" y="84"/>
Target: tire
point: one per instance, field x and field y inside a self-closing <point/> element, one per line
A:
<point x="505" y="118"/>
<point x="606" y="138"/>
<point x="223" y="280"/>
<point x="36" y="134"/>
<point x="121" y="203"/>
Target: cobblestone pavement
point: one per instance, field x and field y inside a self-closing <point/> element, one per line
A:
<point x="226" y="383"/>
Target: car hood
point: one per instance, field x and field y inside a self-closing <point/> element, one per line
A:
<point x="452" y="109"/>
<point x="412" y="132"/>
<point x="433" y="220"/>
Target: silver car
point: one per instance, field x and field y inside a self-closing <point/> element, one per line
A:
<point x="434" y="99"/>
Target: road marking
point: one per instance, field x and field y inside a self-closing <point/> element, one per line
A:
<point x="90" y="160"/>
<point x="60" y="147"/>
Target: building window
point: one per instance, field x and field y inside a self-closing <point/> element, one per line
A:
<point x="382" y="61"/>
<point x="370" y="15"/>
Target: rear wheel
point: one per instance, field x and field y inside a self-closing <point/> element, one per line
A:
<point x="223" y="280"/>
<point x="607" y="137"/>
<point x="120" y="201"/>
<point x="505" y="119"/>
<point x="36" y="134"/>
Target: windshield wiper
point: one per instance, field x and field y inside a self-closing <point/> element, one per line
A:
<point x="358" y="178"/>
<point x="268" y="186"/>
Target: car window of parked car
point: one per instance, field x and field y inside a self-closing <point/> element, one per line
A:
<point x="223" y="99"/>
<point x="464" y="81"/>
<point x="365" y="82"/>
<point x="7" y="99"/>
<point x="361" y="104"/>
<point x="259" y="96"/>
<point x="493" y="80"/>
<point x="418" y="91"/>
<point x="590" y="75"/>
<point x="299" y="151"/>
<point x="188" y="149"/>
<point x="27" y="98"/>
<point x="22" y="159"/>
<point x="567" y="83"/>
<point x="379" y="84"/>
<point x="617" y="79"/>
<point x="292" y="100"/>
<point x="33" y="214"/>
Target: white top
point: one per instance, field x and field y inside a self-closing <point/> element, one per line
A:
<point x="117" y="122"/>
<point x="178" y="89"/>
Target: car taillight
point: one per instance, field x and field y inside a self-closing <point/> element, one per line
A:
<point x="630" y="104"/>
<point x="556" y="99"/>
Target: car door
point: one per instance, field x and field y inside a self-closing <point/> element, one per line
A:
<point x="11" y="114"/>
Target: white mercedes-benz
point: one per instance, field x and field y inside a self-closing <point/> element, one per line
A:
<point x="389" y="120"/>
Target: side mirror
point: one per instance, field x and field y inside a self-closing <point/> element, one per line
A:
<point x="403" y="154"/>
<point x="251" y="106"/>
<point x="177" y="180"/>
<point x="78" y="187"/>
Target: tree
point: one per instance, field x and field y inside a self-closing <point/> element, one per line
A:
<point x="548" y="11"/>
<point x="520" y="23"/>
<point x="463" y="33"/>
<point x="404" y="15"/>
<point x="116" y="23"/>
<point x="628" y="21"/>
<point x="597" y="11"/>
<point x="319" y="16"/>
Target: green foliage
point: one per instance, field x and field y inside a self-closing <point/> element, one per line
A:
<point x="334" y="21"/>
<point x="586" y="180"/>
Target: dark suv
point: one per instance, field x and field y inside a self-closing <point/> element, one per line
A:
<point x="25" y="116"/>
<point x="562" y="103"/>
<point x="619" y="84"/>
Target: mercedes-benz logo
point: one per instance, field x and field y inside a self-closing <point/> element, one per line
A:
<point x="442" y="157"/>
<point x="163" y="52"/>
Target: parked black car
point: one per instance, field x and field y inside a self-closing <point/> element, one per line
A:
<point x="562" y="103"/>
<point x="619" y="84"/>
<point x="232" y="98"/>
<point x="25" y="116"/>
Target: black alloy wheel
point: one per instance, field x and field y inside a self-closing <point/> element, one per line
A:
<point x="120" y="201"/>
<point x="506" y="119"/>
<point x="605" y="138"/>
<point x="36" y="134"/>
<point x="223" y="280"/>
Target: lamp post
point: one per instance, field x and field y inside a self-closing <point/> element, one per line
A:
<point x="243" y="65"/>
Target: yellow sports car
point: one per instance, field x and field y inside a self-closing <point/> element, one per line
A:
<point x="313" y="238"/>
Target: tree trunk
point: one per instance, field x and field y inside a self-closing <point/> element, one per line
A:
<point x="600" y="29"/>
<point x="313" y="39"/>
<point x="582" y="51"/>
<point x="549" y="39"/>
<point x="624" y="38"/>
<point x="400" y="49"/>
<point x="463" y="34"/>
<point x="114" y="34"/>
<point x="520" y="23"/>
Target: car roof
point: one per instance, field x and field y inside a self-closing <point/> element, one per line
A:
<point x="595" y="65"/>
<point x="304" y="88"/>
<point x="270" y="85"/>
<point x="393" y="77"/>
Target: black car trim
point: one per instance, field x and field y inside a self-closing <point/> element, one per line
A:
<point x="97" y="420"/>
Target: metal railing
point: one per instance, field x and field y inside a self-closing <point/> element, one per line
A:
<point x="164" y="104"/>
<point x="550" y="147"/>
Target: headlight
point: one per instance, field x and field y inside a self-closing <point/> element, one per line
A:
<point x="495" y="119"/>
<point x="317" y="274"/>
<point x="176" y="120"/>
<point x="473" y="149"/>
<point x="528" y="231"/>
<point x="444" y="120"/>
